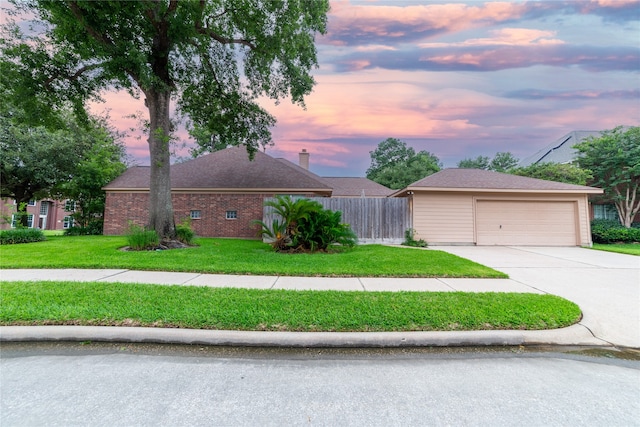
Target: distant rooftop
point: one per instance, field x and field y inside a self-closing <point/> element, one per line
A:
<point x="561" y="150"/>
<point x="356" y="187"/>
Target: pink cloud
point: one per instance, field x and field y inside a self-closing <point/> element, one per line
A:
<point x="505" y="37"/>
<point x="396" y="21"/>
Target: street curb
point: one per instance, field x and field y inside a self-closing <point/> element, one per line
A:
<point x="573" y="335"/>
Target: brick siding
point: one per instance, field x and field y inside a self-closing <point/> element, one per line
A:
<point x="121" y="208"/>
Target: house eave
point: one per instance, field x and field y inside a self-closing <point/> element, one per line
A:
<point x="408" y="190"/>
<point x="227" y="190"/>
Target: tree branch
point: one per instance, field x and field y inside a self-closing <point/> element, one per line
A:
<point x="75" y="75"/>
<point x="102" y="38"/>
<point x="201" y="29"/>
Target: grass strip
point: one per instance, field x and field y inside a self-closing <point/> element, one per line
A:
<point x="621" y="248"/>
<point x="90" y="303"/>
<point x="234" y="256"/>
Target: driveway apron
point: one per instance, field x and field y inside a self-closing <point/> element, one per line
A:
<point x="605" y="285"/>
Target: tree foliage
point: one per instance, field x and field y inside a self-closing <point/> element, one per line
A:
<point x="33" y="161"/>
<point x="395" y="165"/>
<point x="614" y="161"/>
<point x="73" y="162"/>
<point x="214" y="57"/>
<point x="102" y="160"/>
<point x="501" y="162"/>
<point x="559" y="172"/>
<point x="480" y="162"/>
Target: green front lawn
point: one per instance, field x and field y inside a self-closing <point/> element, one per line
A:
<point x="232" y="256"/>
<point x="623" y="248"/>
<point x="73" y="303"/>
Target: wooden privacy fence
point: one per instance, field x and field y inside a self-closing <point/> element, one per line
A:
<point x="374" y="220"/>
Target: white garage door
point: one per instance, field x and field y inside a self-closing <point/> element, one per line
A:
<point x="540" y="223"/>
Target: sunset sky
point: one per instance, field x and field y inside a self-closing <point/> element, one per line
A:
<point x="458" y="79"/>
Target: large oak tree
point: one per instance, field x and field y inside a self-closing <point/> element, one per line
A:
<point x="212" y="57"/>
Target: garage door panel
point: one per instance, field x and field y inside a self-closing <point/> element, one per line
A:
<point x="534" y="223"/>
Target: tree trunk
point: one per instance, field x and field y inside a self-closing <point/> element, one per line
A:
<point x="22" y="201"/>
<point x="160" y="206"/>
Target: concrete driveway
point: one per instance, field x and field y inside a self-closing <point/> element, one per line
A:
<point x="605" y="285"/>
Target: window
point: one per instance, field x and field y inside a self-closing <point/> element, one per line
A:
<point x="232" y="215"/>
<point x="605" y="212"/>
<point x="44" y="208"/>
<point x="14" y="220"/>
<point x="69" y="206"/>
<point x="31" y="203"/>
<point x="67" y="222"/>
<point x="195" y="215"/>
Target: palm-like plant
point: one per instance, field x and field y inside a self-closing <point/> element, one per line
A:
<point x="304" y="225"/>
<point x="293" y="211"/>
<point x="275" y="234"/>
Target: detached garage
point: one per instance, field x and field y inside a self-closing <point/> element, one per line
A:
<point x="478" y="207"/>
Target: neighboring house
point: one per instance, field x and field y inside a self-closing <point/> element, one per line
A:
<point x="472" y="206"/>
<point x="44" y="214"/>
<point x="562" y="151"/>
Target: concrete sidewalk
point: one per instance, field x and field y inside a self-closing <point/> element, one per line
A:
<point x="574" y="335"/>
<point x="272" y="282"/>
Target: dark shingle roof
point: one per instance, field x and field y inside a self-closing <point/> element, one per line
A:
<point x="478" y="179"/>
<point x="228" y="169"/>
<point x="356" y="187"/>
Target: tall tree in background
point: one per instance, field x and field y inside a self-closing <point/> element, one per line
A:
<point x="214" y="57"/>
<point x="501" y="162"/>
<point x="33" y="161"/>
<point x="480" y="162"/>
<point x="73" y="161"/>
<point x="102" y="160"/>
<point x="614" y="160"/>
<point x="395" y="165"/>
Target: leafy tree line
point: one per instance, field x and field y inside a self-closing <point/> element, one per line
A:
<point x="213" y="58"/>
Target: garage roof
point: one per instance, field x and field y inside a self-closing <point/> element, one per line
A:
<point x="489" y="181"/>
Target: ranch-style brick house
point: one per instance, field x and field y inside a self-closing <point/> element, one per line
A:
<point x="222" y="193"/>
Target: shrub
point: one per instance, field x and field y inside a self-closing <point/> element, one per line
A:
<point x="141" y="239"/>
<point x="21" y="235"/>
<point x="409" y="239"/>
<point x="611" y="231"/>
<point x="94" y="228"/>
<point x="184" y="233"/>
<point x="323" y="230"/>
<point x="305" y="226"/>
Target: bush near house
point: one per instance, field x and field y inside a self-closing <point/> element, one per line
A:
<point x="305" y="226"/>
<point x="142" y="239"/>
<point x="611" y="231"/>
<point x="21" y="235"/>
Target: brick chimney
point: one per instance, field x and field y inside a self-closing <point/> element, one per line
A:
<point x="304" y="159"/>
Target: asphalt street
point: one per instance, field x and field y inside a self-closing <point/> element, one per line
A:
<point x="125" y="385"/>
